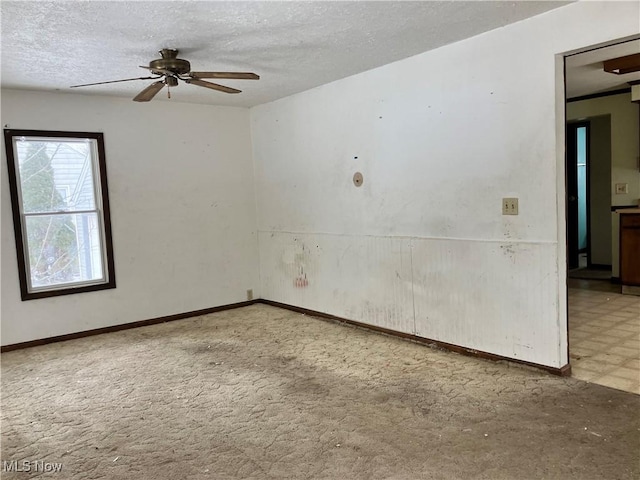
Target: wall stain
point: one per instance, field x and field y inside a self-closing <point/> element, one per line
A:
<point x="295" y="262"/>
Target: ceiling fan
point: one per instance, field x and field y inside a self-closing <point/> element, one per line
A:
<point x="170" y="70"/>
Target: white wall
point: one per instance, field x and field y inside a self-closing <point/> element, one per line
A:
<point x="182" y="209"/>
<point x="440" y="138"/>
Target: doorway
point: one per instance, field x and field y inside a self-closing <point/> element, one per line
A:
<point x="603" y="325"/>
<point x="589" y="170"/>
<point x="578" y="231"/>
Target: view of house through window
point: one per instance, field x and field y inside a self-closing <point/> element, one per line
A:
<point x="59" y="201"/>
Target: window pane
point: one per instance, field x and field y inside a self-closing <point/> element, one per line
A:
<point x="61" y="215"/>
<point x="55" y="175"/>
<point x="64" y="249"/>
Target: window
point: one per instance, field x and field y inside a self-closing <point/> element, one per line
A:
<point x="58" y="188"/>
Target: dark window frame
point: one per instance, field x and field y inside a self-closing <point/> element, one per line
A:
<point x="19" y="227"/>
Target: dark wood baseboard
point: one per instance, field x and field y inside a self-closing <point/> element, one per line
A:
<point x="564" y="371"/>
<point x="123" y="326"/>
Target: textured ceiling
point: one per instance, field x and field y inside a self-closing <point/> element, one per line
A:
<point x="294" y="46"/>
<point x="585" y="74"/>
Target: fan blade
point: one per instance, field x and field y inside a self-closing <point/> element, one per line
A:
<point x="114" y="81"/>
<point x="149" y="92"/>
<point x="238" y="75"/>
<point x="213" y="86"/>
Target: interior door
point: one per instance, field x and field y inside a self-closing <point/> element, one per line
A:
<point x="572" y="196"/>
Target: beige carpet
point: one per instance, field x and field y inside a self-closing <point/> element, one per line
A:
<point x="264" y="393"/>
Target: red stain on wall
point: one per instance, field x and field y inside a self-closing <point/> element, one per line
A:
<point x="301" y="281"/>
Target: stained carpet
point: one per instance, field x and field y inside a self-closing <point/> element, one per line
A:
<point x="265" y="393"/>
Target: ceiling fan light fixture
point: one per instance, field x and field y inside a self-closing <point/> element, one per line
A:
<point x="170" y="70"/>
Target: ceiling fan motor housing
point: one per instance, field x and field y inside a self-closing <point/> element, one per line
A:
<point x="169" y="61"/>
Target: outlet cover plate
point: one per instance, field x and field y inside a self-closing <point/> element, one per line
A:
<point x="622" y="188"/>
<point x="510" y="206"/>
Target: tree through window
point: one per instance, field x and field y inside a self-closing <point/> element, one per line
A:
<point x="61" y="211"/>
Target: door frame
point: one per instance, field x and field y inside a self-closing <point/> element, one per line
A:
<point x="561" y="192"/>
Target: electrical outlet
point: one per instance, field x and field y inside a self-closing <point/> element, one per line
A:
<point x="622" y="188"/>
<point x="510" y="206"/>
<point x="250" y="294"/>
